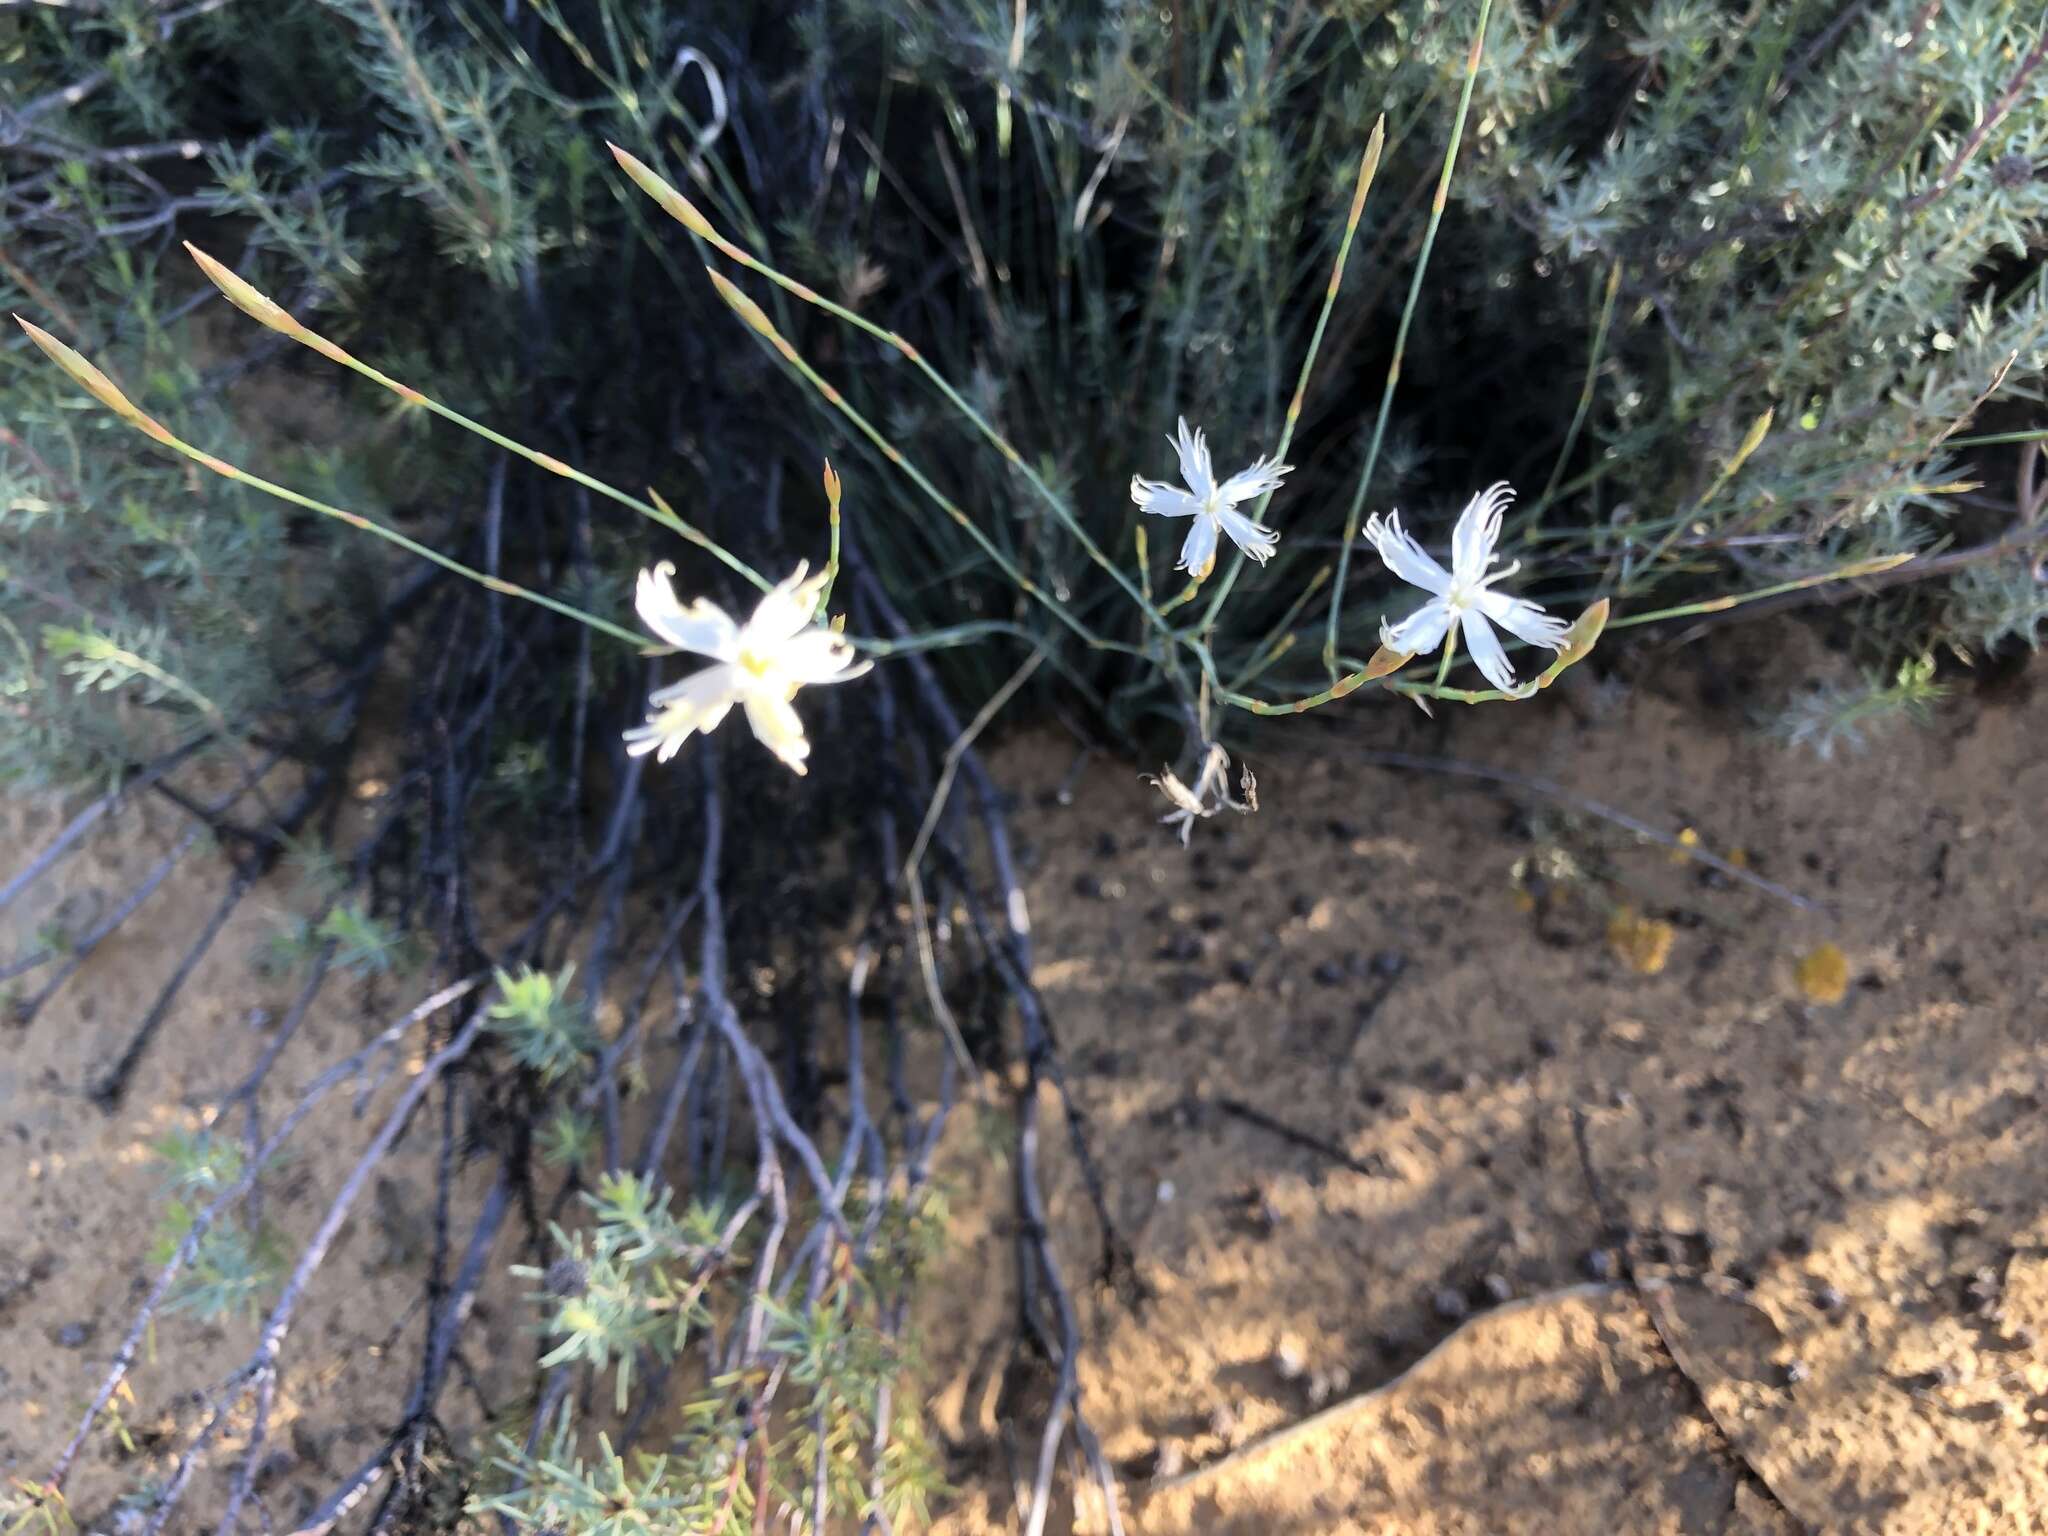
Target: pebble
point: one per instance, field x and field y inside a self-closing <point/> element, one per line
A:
<point x="1325" y="1385"/>
<point x="1831" y="1301"/>
<point x="1450" y="1305"/>
<point x="1499" y="1289"/>
<point x="74" y="1335"/>
<point x="1288" y="1360"/>
<point x="1329" y="974"/>
<point x="1388" y="963"/>
<point x="1599" y="1263"/>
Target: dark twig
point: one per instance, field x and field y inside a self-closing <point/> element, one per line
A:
<point x="1552" y="790"/>
<point x="1251" y="1115"/>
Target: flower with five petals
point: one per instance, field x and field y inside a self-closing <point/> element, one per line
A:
<point x="1212" y="504"/>
<point x="1463" y="595"/>
<point x="758" y="665"/>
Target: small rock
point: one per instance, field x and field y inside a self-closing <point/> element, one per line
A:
<point x="1328" y="974"/>
<point x="1241" y="972"/>
<point x="1225" y="1425"/>
<point x="1323" y="1386"/>
<point x="1389" y="963"/>
<point x="1984" y="1292"/>
<point x="1499" y="1289"/>
<point x="1831" y="1301"/>
<point x="1450" y="1305"/>
<point x="74" y="1335"/>
<point x="1796" y="1371"/>
<point x="1600" y="1264"/>
<point x="257" y="1018"/>
<point x="1289" y="1361"/>
<point x="1172" y="1460"/>
<point x="1105" y="846"/>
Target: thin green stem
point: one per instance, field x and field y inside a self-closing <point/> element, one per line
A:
<point x="1847" y="572"/>
<point x="108" y="394"/>
<point x="260" y="307"/>
<point x="1571" y="437"/>
<point x="1443" y="666"/>
<point x="1368" y="168"/>
<point x="1279" y="639"/>
<point x="757" y="320"/>
<point x="692" y="219"/>
<point x="1379" y="429"/>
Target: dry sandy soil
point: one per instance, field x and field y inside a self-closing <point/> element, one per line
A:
<point x="1447" y="1214"/>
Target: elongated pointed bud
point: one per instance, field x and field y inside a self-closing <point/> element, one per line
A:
<point x="260" y="307"/>
<point x="1877" y="565"/>
<point x="1578" y="642"/>
<point x="239" y="293"/>
<point x="677" y="206"/>
<point x="745" y="307"/>
<point x="97" y="384"/>
<point x="1751" y="441"/>
<point x="1368" y="167"/>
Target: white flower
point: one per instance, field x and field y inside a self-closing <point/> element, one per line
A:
<point x="1462" y="595"/>
<point x="1209" y="797"/>
<point x="1212" y="506"/>
<point x="760" y="665"/>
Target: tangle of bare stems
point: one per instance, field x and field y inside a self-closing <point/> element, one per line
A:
<point x="740" y="1089"/>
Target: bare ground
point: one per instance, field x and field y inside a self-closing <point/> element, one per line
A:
<point x="1446" y="1216"/>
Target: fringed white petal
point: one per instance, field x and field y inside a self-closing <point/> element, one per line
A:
<point x="703" y="628"/>
<point x="1478" y="531"/>
<point x="1256" y="542"/>
<point x="1404" y="557"/>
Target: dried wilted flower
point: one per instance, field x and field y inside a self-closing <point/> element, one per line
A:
<point x="1210" y="795"/>
<point x="1213" y="506"/>
<point x="761" y="665"/>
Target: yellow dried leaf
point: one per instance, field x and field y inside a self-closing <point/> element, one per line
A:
<point x="1385" y="663"/>
<point x="1823" y="975"/>
<point x="1687" y="841"/>
<point x="1641" y="943"/>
